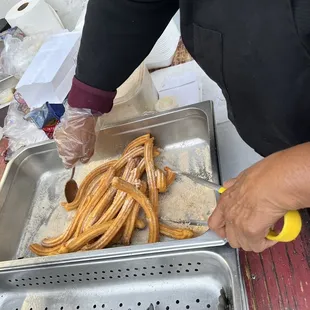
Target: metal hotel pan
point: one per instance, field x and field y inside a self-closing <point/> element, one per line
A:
<point x="39" y="167"/>
<point x="174" y="273"/>
<point x="190" y="279"/>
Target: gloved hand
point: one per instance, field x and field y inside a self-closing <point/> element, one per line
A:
<point x="75" y="136"/>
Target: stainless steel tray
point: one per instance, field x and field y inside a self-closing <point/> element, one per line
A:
<point x="190" y="279"/>
<point x="33" y="183"/>
<point x="8" y="82"/>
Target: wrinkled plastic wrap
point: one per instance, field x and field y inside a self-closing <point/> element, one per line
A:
<point x="18" y="54"/>
<point x="6" y="96"/>
<point x="2" y="74"/>
<point x="19" y="131"/>
<point x="76" y="135"/>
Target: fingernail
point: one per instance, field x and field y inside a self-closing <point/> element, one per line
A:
<point x="84" y="160"/>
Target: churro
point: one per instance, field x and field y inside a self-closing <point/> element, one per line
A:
<point x="79" y="242"/>
<point x="96" y="213"/>
<point x="116" y="240"/>
<point x="86" y="183"/>
<point x="53" y="242"/>
<point x="118" y="222"/>
<point x="132" y="219"/>
<point x="103" y="185"/>
<point x="161" y="181"/>
<point x="107" y="205"/>
<point x="150" y="172"/>
<point x="42" y="251"/>
<point x="136" y="152"/>
<point x="120" y="196"/>
<point x="170" y="176"/>
<point x="175" y="233"/>
<point x="140" y="141"/>
<point x="141" y="167"/>
<point x="145" y="203"/>
<point x="85" y="212"/>
<point x="140" y="224"/>
<point x="103" y="204"/>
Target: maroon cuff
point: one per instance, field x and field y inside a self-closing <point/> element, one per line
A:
<point x="84" y="96"/>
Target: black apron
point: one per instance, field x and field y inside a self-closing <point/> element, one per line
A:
<point x="252" y="49"/>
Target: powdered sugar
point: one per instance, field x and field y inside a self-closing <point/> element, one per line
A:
<point x="190" y="156"/>
<point x="185" y="199"/>
<point x="48" y="218"/>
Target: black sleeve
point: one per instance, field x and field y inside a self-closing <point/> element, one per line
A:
<point x="117" y="37"/>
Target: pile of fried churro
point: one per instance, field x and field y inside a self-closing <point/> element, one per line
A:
<point x="109" y="202"/>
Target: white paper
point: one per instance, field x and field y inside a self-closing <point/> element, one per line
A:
<point x="163" y="52"/>
<point x="49" y="76"/>
<point x="208" y="89"/>
<point x="178" y="80"/>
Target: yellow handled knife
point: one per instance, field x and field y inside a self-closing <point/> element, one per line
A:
<point x="292" y="220"/>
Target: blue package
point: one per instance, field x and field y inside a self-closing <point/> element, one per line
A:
<point x="47" y="115"/>
<point x="58" y="109"/>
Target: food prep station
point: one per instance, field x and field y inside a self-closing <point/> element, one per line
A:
<point x="199" y="273"/>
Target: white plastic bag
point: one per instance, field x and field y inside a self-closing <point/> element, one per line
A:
<point x="19" y="131"/>
<point x="18" y="54"/>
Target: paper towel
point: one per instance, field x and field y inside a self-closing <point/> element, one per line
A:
<point x="163" y="52"/>
<point x="34" y="16"/>
<point x="5" y="6"/>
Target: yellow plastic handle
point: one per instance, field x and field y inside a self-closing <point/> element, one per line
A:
<point x="291" y="226"/>
<point x="222" y="190"/>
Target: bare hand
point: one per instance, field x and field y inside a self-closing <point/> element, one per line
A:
<point x="260" y="196"/>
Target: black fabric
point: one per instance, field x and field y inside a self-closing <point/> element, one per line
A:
<point x="4" y="25"/>
<point x="301" y="11"/>
<point x="117" y="36"/>
<point x="256" y="50"/>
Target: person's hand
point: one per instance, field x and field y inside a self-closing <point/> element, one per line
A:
<point x="260" y="196"/>
<point x="75" y="136"/>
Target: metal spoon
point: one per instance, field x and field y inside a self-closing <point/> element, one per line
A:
<point x="71" y="188"/>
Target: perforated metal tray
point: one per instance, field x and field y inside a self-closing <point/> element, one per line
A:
<point x="201" y="279"/>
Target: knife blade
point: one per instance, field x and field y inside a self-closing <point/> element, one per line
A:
<point x="201" y="181"/>
<point x="187" y="222"/>
<point x="216" y="187"/>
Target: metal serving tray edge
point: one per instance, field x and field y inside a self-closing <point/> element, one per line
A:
<point x="207" y="240"/>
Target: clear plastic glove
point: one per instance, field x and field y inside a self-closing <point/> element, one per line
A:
<point x="75" y="136"/>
